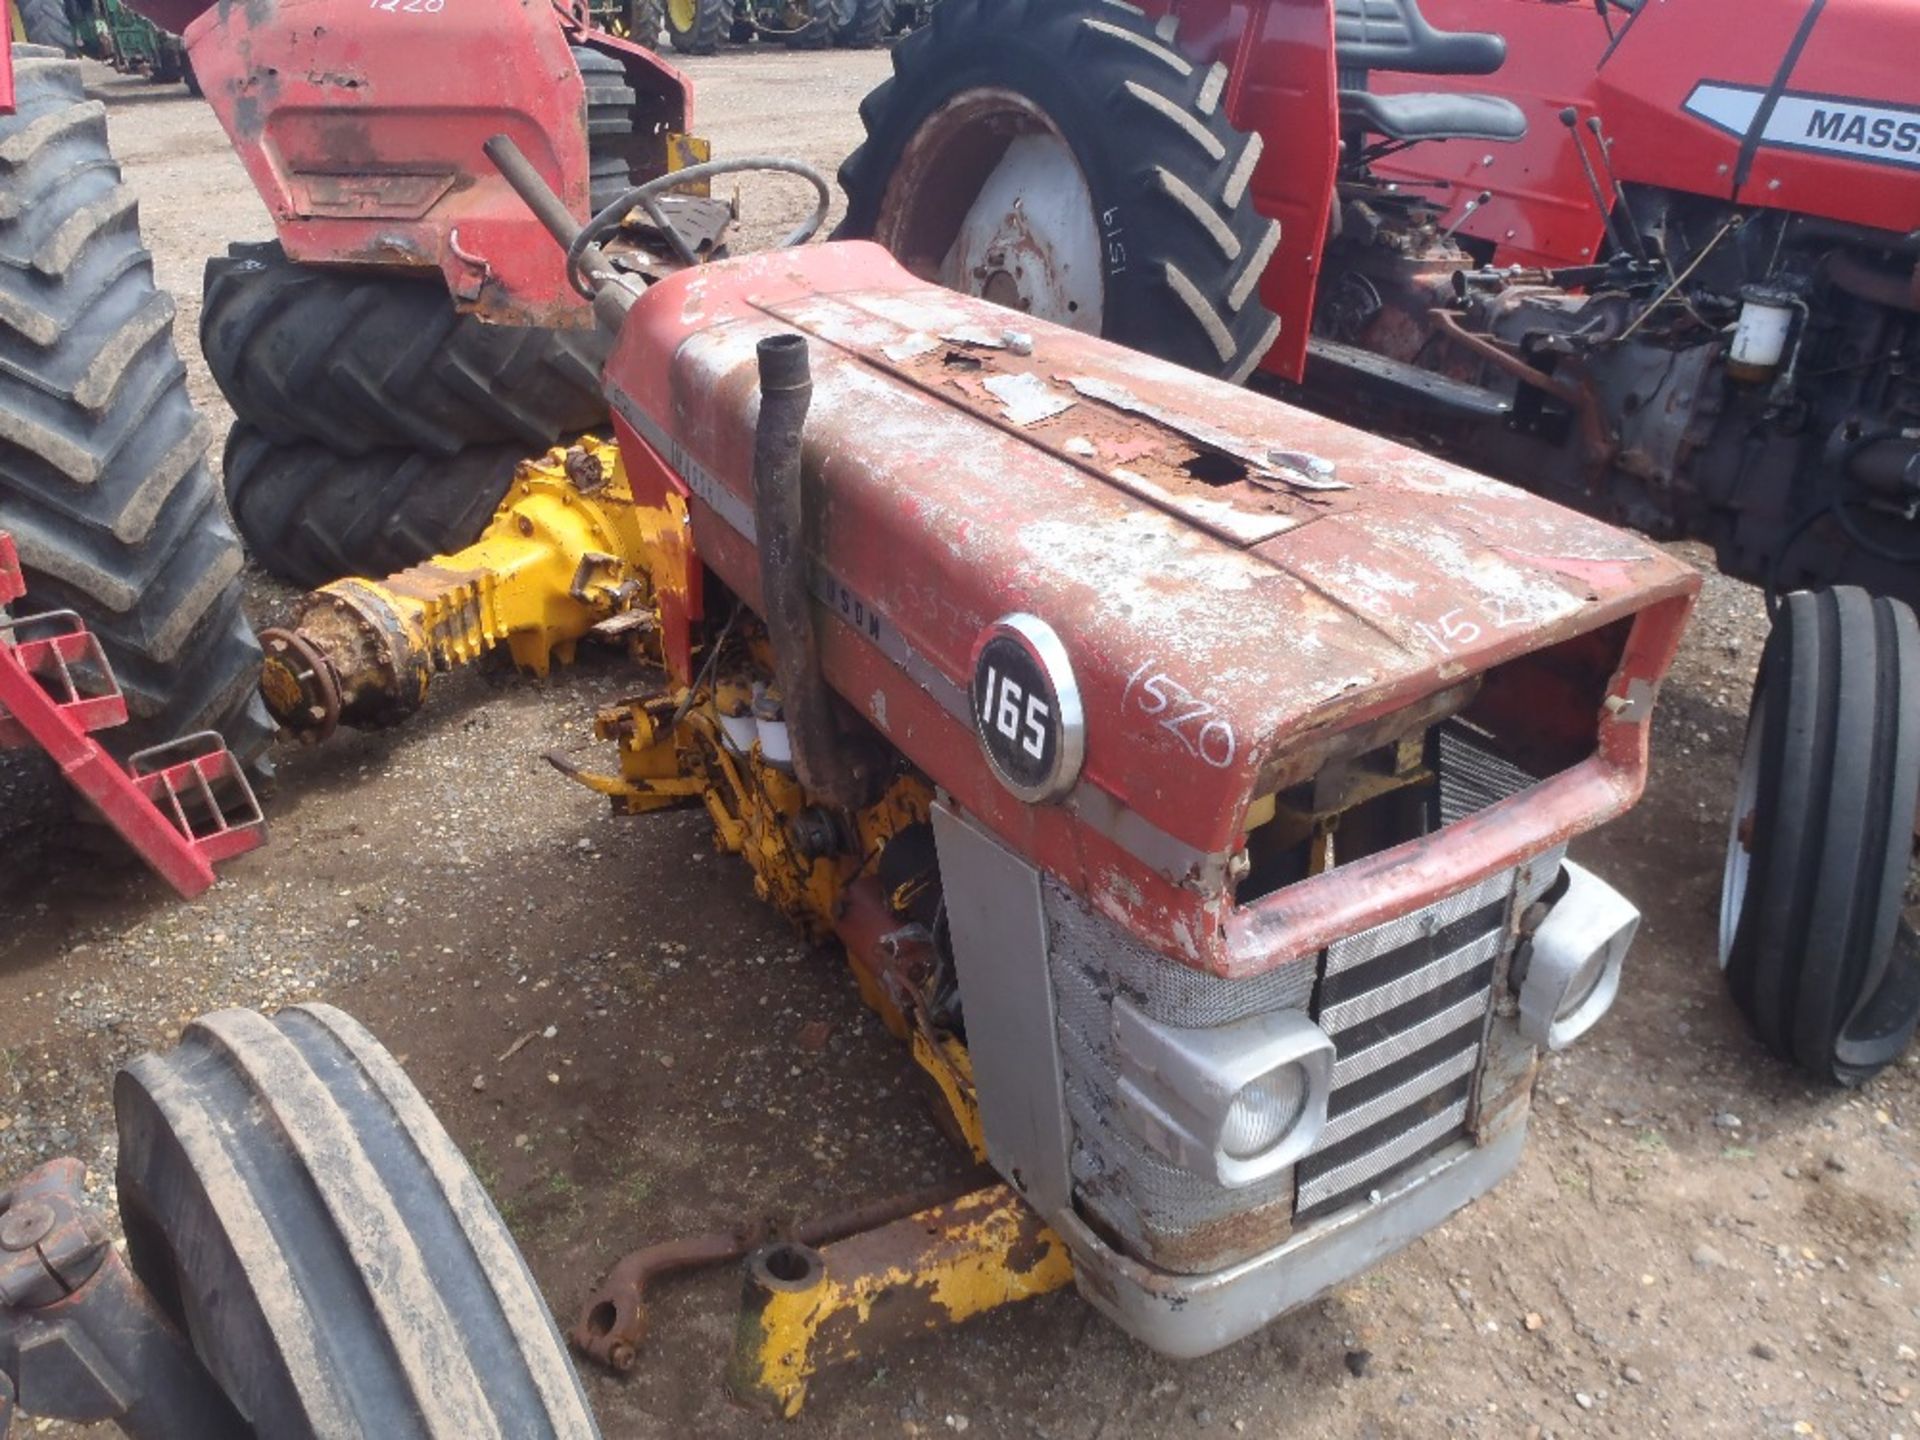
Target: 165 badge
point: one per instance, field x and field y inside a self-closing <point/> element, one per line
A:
<point x="1026" y="708"/>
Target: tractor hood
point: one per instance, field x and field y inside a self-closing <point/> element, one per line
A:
<point x="1813" y="108"/>
<point x="1229" y="578"/>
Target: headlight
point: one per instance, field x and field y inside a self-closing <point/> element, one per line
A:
<point x="1263" y="1112"/>
<point x="1234" y="1103"/>
<point x="1573" y="970"/>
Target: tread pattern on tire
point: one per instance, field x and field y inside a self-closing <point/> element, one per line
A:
<point x="269" y="1171"/>
<point x="1152" y="137"/>
<point x="1812" y="962"/>
<point x="103" y="476"/>
<point x="865" y="25"/>
<point x="47" y="24"/>
<point x="712" y="23"/>
<point x="370" y="362"/>
<point x="610" y="102"/>
<point x="310" y="516"/>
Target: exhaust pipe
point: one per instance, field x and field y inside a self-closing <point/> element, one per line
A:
<point x="823" y="758"/>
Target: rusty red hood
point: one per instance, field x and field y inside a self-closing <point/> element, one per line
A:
<point x="1271" y="573"/>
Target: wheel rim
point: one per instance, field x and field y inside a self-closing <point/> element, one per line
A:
<point x="683" y="14"/>
<point x="988" y="199"/>
<point x="1740" y="831"/>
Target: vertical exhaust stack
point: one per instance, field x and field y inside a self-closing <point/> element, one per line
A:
<point x="820" y="752"/>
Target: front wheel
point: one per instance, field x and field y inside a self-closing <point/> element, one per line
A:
<point x="1069" y="160"/>
<point x="295" y="1207"/>
<point x="1820" y="848"/>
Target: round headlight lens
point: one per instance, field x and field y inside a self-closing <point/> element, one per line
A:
<point x="1585" y="980"/>
<point x="1263" y="1112"/>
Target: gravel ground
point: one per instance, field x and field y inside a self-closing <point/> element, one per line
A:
<point x="1696" y="1243"/>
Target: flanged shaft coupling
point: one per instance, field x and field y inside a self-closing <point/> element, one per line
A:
<point x="348" y="656"/>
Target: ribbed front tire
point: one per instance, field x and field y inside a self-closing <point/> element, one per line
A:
<point x="1821" y="842"/>
<point x="291" y="1200"/>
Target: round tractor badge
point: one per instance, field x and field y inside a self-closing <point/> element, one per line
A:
<point x="1026" y="708"/>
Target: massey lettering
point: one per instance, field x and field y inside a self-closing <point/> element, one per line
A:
<point x="1902" y="137"/>
<point x="1884" y="133"/>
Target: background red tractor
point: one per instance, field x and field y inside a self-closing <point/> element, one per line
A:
<point x="411" y="334"/>
<point x="1664" y="271"/>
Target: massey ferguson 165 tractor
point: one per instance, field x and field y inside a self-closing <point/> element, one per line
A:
<point x="1654" y="260"/>
<point x="1188" y="778"/>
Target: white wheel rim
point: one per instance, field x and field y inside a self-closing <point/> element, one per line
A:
<point x="1740" y="830"/>
<point x="1029" y="236"/>
<point x="1030" y="240"/>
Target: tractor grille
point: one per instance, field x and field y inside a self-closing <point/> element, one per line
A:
<point x="1405" y="1004"/>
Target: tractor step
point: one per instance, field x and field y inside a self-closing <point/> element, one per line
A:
<point x="1409" y="384"/>
<point x="184" y="806"/>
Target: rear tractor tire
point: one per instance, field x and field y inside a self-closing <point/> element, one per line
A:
<point x="1082" y="135"/>
<point x="610" y="102"/>
<point x="293" y="1204"/>
<point x="1820" y="849"/>
<point x="376" y="425"/>
<point x="696" y="27"/>
<point x="311" y="516"/>
<point x="862" y="24"/>
<point x="48" y="23"/>
<point x="365" y="363"/>
<point x="103" y="477"/>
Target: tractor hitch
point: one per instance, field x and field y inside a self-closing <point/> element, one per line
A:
<point x="80" y="1338"/>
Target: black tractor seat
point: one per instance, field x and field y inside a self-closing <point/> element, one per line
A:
<point x="1394" y="35"/>
<point x="1434" y="115"/>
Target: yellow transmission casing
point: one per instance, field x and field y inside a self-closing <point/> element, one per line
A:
<point x="567" y="551"/>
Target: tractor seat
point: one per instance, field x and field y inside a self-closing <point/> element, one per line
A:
<point x="1394" y="35"/>
<point x="1434" y="116"/>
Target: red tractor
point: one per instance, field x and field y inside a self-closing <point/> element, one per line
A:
<point x="1676" y="291"/>
<point x="410" y="334"/>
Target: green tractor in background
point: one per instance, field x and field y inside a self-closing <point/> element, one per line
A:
<point x="106" y="30"/>
<point x="701" y="27"/>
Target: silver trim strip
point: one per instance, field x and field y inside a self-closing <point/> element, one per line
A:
<point x="1392" y="934"/>
<point x="1406" y="1094"/>
<point x="1344" y="1014"/>
<point x="718" y="498"/>
<point x="1383" y="1157"/>
<point x="1362" y="1063"/>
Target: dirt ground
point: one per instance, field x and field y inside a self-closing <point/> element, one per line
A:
<point x="1697" y="1242"/>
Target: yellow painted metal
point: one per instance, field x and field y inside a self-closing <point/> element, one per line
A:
<point x="685" y="151"/>
<point x="803" y="1310"/>
<point x="568" y="552"/>
<point x="759" y="809"/>
<point x="946" y="1061"/>
<point x="567" y="549"/>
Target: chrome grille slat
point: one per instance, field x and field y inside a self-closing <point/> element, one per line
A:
<point x="1345" y="1014"/>
<point x="1382" y="1158"/>
<point x="1403" y="1096"/>
<point x="1362" y="1063"/>
<point x="1371" y="944"/>
<point x="1386" y="1077"/>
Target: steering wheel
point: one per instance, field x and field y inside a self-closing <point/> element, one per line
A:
<point x="647" y="198"/>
